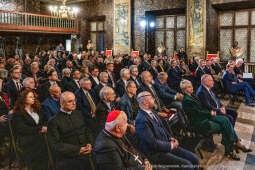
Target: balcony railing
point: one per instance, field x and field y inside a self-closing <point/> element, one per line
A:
<point x="28" y="22"/>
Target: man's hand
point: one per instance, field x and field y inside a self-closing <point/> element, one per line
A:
<point x="147" y="165"/>
<point x="132" y="128"/>
<point x="86" y="150"/>
<point x="179" y="96"/>
<point x="174" y="142"/>
<point x="162" y="114"/>
<point x="240" y="80"/>
<point x="213" y="113"/>
<point x="223" y="110"/>
<point x="234" y="82"/>
<point x="3" y="119"/>
<point x="44" y="129"/>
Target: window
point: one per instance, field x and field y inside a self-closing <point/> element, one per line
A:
<point x="238" y="26"/>
<point x="171" y="31"/>
<point x="97" y="35"/>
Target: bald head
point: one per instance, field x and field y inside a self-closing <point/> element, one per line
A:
<point x="67" y="101"/>
<point x="55" y="91"/>
<point x="146" y="77"/>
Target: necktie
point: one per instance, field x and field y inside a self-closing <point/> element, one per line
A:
<point x="113" y="83"/>
<point x="138" y="84"/>
<point x="214" y="98"/>
<point x="112" y="106"/>
<point x="153" y="117"/>
<point x="91" y="103"/>
<point x="78" y="82"/>
<point x="156" y="97"/>
<point x="18" y="87"/>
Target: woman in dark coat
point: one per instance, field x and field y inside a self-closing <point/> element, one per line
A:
<point x="29" y="127"/>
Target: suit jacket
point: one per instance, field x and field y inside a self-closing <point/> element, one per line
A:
<point x="120" y="88"/>
<point x="199" y="73"/>
<point x="207" y="100"/>
<point x="94" y="84"/>
<point x="66" y="141"/>
<point x="228" y="78"/>
<point x="43" y="90"/>
<point x="72" y="86"/>
<point x="197" y="114"/>
<point x="153" y="137"/>
<point x="3" y="107"/>
<point x="174" y="77"/>
<point x="98" y="88"/>
<point x="217" y="67"/>
<point x="50" y="107"/>
<point x="165" y="93"/>
<point x="110" y="81"/>
<point x="139" y="81"/>
<point x="110" y="154"/>
<point x="102" y="111"/>
<point x="11" y="89"/>
<point x="154" y="73"/>
<point x="31" y="142"/>
<point x="125" y="105"/>
<point x="82" y="103"/>
<point x="207" y="70"/>
<point x="145" y="66"/>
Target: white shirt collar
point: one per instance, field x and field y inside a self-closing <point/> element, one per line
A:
<point x="69" y="113"/>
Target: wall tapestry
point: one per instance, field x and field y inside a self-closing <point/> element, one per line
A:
<point x="122" y="27"/>
<point x="196" y="27"/>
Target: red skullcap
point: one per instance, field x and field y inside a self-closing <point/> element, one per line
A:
<point x="112" y="115"/>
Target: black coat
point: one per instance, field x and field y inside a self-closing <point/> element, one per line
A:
<point x="11" y="89"/>
<point x="43" y="90"/>
<point x="30" y="141"/>
<point x="110" y="154"/>
<point x="72" y="86"/>
<point x="120" y="88"/>
<point x="67" y="134"/>
<point x="217" y="68"/>
<point x="94" y="84"/>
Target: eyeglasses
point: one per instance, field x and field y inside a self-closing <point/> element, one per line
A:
<point x="144" y="96"/>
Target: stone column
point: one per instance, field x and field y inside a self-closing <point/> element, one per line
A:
<point x="196" y="28"/>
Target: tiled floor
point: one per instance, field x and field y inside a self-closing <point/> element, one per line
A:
<point x="246" y="131"/>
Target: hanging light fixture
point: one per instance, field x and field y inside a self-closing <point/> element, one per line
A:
<point x="64" y="11"/>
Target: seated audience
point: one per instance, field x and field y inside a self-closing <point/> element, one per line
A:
<point x="210" y="101"/>
<point x="94" y="77"/>
<point x="68" y="136"/>
<point x="111" y="76"/>
<point x="134" y="76"/>
<point x="153" y="70"/>
<point x="66" y="77"/>
<point x="29" y="127"/>
<point x="233" y="85"/>
<point x="174" y="76"/>
<point x="155" y="142"/>
<point x="51" y="105"/>
<point x="103" y="77"/>
<point x="161" y="66"/>
<point x="128" y="102"/>
<point x="74" y="84"/>
<point x="216" y="66"/>
<point x="208" y="122"/>
<point x="29" y="83"/>
<point x="200" y="71"/>
<point x="109" y="144"/>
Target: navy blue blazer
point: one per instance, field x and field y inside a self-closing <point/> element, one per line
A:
<point x="139" y="81"/>
<point x="228" y="78"/>
<point x="152" y="135"/>
<point x="164" y="92"/>
<point x="82" y="102"/>
<point x="50" y="107"/>
<point x="125" y="105"/>
<point x="174" y="76"/>
<point x="11" y="89"/>
<point x="120" y="88"/>
<point x="207" y="100"/>
<point x="199" y="73"/>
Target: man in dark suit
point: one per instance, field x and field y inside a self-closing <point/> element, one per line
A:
<point x="94" y="77"/>
<point x="51" y="105"/>
<point x="122" y="82"/>
<point x="134" y="76"/>
<point x="106" y="104"/>
<point x="145" y="65"/>
<point x="182" y="55"/>
<point x="13" y="87"/>
<point x="200" y="71"/>
<point x="74" y="84"/>
<point x="216" y="65"/>
<point x="174" y="76"/>
<point x="86" y="101"/>
<point x="71" y="144"/>
<point x="111" y="151"/>
<point x="43" y="89"/>
<point x="155" y="142"/>
<point x="153" y="70"/>
<point x="210" y="101"/>
<point x="233" y="85"/>
<point x="111" y="77"/>
<point x="103" y="77"/>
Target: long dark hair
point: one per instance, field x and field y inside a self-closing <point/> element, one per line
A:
<point x="21" y="101"/>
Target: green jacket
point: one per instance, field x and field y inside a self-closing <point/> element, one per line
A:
<point x="197" y="114"/>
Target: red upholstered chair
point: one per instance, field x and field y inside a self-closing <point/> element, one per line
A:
<point x="175" y="55"/>
<point x="134" y="53"/>
<point x="211" y="56"/>
<point x="108" y="52"/>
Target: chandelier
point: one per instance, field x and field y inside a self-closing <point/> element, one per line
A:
<point x="64" y="11"/>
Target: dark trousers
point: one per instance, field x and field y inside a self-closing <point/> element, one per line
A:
<point x="73" y="164"/>
<point x="231" y="114"/>
<point x="178" y="158"/>
<point x="248" y="90"/>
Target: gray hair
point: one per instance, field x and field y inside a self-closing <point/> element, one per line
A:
<point x="65" y="70"/>
<point x="132" y="67"/>
<point x="102" y="74"/>
<point x="104" y="92"/>
<point x="183" y="84"/>
<point x="124" y="71"/>
<point x="141" y="98"/>
<point x="118" y="121"/>
<point x="34" y="63"/>
<point x="161" y="75"/>
<point x="63" y="96"/>
<point x="143" y="74"/>
<point x="204" y="77"/>
<point x="83" y="80"/>
<point x="239" y="60"/>
<point x="26" y="81"/>
<point x="53" y="87"/>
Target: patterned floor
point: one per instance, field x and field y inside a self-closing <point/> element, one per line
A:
<point x="245" y="130"/>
